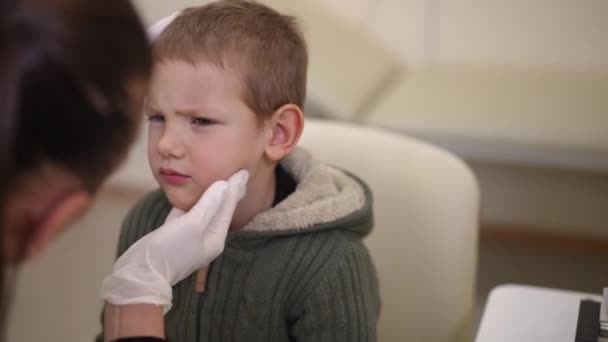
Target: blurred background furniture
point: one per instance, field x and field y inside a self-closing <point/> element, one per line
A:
<point x="531" y="314"/>
<point x="424" y="243"/>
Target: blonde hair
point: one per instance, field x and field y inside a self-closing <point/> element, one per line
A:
<point x="266" y="49"/>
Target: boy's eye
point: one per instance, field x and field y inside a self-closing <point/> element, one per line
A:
<point x="155" y="118"/>
<point x="202" y="121"/>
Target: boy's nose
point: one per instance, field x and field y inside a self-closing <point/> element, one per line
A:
<point x="170" y="147"/>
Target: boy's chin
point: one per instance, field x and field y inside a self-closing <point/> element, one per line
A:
<point x="181" y="199"/>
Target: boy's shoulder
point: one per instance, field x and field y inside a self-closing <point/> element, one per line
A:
<point x="328" y="249"/>
<point x="335" y="241"/>
<point x="313" y="259"/>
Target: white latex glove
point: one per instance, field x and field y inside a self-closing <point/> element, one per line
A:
<point x="155" y="30"/>
<point x="185" y="243"/>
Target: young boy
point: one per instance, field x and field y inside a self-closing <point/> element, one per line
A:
<point x="229" y="85"/>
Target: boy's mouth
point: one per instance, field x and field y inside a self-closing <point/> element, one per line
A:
<point x="172" y="176"/>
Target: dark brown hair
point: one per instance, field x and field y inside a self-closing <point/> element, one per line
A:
<point x="265" y="48"/>
<point x="65" y="70"/>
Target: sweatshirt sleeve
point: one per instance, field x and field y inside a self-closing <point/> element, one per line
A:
<point x="343" y="305"/>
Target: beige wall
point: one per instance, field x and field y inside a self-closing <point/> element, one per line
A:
<point x="553" y="33"/>
<point x="549" y="33"/>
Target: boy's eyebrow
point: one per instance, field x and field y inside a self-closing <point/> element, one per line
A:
<point x="188" y="112"/>
<point x="181" y="112"/>
<point x="196" y="111"/>
<point x="149" y="105"/>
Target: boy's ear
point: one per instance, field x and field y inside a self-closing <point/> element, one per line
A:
<point x="61" y="214"/>
<point x="286" y="126"/>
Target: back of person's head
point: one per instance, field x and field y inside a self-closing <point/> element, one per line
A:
<point x="72" y="69"/>
<point x="266" y="49"/>
<point x="73" y="74"/>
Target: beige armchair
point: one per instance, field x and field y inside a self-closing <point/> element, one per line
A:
<point x="424" y="244"/>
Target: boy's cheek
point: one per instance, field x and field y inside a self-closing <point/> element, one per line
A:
<point x="222" y="167"/>
<point x="202" y="182"/>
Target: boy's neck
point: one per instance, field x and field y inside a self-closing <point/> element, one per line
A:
<point x="260" y="195"/>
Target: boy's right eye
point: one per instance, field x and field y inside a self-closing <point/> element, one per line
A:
<point x="155" y="118"/>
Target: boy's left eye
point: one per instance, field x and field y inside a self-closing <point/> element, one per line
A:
<point x="202" y="121"/>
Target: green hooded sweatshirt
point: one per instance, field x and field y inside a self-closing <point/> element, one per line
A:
<point x="297" y="272"/>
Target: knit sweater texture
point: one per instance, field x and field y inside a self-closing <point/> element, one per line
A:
<point x="297" y="272"/>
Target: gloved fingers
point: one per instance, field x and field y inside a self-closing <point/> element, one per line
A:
<point x="236" y="189"/>
<point x="208" y="205"/>
<point x="220" y="224"/>
<point x="174" y="214"/>
<point x="214" y="198"/>
<point x="238" y="184"/>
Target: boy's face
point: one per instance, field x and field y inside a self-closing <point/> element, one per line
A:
<point x="200" y="129"/>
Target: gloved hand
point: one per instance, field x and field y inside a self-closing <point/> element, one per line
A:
<point x="185" y="243"/>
